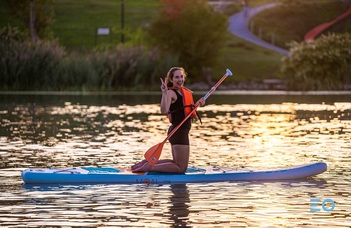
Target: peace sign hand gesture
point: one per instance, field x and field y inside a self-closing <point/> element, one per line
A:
<point x="163" y="85"/>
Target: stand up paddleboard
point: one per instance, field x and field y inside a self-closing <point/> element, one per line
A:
<point x="96" y="175"/>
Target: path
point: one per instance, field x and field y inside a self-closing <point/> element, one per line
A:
<point x="238" y="25"/>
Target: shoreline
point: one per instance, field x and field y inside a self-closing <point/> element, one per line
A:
<point x="196" y="92"/>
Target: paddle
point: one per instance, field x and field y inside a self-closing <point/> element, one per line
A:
<point x="153" y="154"/>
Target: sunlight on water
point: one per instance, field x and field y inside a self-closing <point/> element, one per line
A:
<point x="243" y="136"/>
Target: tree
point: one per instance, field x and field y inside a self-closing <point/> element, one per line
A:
<point x="32" y="14"/>
<point x="36" y="15"/>
<point x="322" y="64"/>
<point x="192" y="31"/>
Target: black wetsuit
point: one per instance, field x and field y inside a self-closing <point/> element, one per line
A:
<point x="181" y="136"/>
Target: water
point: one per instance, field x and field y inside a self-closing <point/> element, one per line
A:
<point x="116" y="130"/>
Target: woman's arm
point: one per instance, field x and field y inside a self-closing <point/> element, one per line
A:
<point x="166" y="101"/>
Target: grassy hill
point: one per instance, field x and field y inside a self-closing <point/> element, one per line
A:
<point x="290" y="22"/>
<point x="76" y="23"/>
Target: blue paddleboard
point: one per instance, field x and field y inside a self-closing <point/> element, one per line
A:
<point x="97" y="175"/>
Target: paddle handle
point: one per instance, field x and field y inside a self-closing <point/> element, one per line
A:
<point x="228" y="73"/>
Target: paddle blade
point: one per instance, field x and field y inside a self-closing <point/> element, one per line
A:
<point x="153" y="154"/>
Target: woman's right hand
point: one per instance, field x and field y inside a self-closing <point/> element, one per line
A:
<point x="167" y="97"/>
<point x="163" y="85"/>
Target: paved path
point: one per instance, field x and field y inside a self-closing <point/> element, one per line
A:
<point x="238" y="25"/>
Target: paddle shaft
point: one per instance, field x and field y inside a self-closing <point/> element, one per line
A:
<point x="205" y="97"/>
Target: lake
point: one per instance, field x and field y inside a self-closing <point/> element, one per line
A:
<point x="239" y="129"/>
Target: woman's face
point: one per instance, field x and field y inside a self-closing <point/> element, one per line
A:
<point x="178" y="78"/>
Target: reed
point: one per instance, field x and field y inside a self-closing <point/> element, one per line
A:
<point x="47" y="66"/>
<point x="136" y="68"/>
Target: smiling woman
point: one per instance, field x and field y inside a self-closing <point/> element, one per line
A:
<point x="177" y="102"/>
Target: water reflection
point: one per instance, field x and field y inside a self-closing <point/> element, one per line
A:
<point x="180" y="203"/>
<point x="112" y="132"/>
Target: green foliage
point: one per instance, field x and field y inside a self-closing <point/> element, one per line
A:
<point x="132" y="37"/>
<point x="44" y="15"/>
<point x="231" y="9"/>
<point x="321" y="64"/>
<point x="192" y="31"/>
<point x="9" y="34"/>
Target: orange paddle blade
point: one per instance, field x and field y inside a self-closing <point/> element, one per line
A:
<point x="153" y="154"/>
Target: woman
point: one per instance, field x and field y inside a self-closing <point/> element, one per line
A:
<point x="176" y="101"/>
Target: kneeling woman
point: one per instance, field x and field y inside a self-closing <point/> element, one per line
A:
<point x="176" y="101"/>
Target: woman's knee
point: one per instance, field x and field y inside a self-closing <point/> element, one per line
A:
<point x="181" y="156"/>
<point x="183" y="168"/>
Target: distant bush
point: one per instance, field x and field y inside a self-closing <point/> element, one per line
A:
<point x="130" y="67"/>
<point x="322" y="64"/>
<point x="231" y="9"/>
<point x="25" y="66"/>
<point x="74" y="72"/>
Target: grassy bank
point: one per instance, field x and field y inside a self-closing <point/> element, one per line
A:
<point x="248" y="62"/>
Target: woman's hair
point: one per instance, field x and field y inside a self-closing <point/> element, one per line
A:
<point x="170" y="75"/>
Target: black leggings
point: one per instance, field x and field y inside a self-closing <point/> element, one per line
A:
<point x="181" y="136"/>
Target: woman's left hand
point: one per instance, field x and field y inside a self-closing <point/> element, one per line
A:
<point x="201" y="101"/>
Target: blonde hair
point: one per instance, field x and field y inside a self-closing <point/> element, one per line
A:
<point x="170" y="75"/>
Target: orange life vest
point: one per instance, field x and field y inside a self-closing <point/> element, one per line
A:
<point x="188" y="102"/>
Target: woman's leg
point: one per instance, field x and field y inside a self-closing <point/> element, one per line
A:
<point x="141" y="163"/>
<point x="181" y="155"/>
<point x="179" y="164"/>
